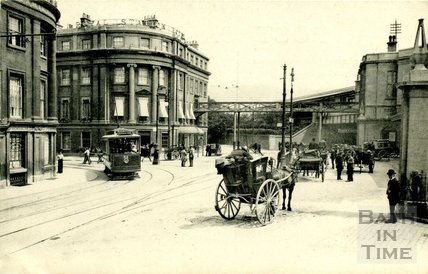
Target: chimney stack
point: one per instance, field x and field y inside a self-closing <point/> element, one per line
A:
<point x="392" y="44"/>
<point x="85" y="20"/>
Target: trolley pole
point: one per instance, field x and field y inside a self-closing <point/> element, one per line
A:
<point x="291" y="108"/>
<point x="283" y="111"/>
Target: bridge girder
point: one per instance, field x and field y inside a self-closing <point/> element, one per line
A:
<point x="329" y="107"/>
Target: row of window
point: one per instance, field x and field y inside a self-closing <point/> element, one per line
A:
<point x="144" y="43"/>
<point x="119" y="108"/>
<point x="117" y="42"/>
<point x="340" y="119"/>
<point x="196" y="87"/>
<point x="118" y="76"/>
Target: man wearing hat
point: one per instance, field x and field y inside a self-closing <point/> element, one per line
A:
<point x="393" y="194"/>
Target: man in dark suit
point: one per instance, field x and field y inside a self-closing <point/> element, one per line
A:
<point x="339" y="164"/>
<point x="393" y="194"/>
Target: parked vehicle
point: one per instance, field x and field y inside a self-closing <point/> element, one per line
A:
<point x="382" y="149"/>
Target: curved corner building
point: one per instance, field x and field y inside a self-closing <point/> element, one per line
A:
<point x="132" y="73"/>
<point x="28" y="110"/>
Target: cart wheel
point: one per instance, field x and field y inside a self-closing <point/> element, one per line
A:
<point x="227" y="206"/>
<point x="267" y="201"/>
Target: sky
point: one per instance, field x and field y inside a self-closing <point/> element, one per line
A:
<point x="249" y="41"/>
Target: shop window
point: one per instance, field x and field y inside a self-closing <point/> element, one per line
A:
<point x="46" y="146"/>
<point x="17" y="150"/>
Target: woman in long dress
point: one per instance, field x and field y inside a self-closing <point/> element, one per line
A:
<point x="60" y="158"/>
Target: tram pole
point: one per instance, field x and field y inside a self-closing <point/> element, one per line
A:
<point x="284" y="94"/>
<point x="291" y="108"/>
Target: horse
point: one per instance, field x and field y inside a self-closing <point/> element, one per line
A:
<point x="290" y="187"/>
<point x="291" y="181"/>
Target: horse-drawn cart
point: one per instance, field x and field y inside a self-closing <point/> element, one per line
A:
<point x="250" y="182"/>
<point x="311" y="160"/>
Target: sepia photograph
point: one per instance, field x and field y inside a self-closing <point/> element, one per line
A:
<point x="213" y="137"/>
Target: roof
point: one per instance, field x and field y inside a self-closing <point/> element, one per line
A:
<point x="324" y="94"/>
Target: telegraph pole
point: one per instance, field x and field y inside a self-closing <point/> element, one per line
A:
<point x="291" y="107"/>
<point x="283" y="111"/>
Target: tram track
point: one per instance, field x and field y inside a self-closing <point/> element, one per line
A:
<point x="136" y="203"/>
<point x="57" y="202"/>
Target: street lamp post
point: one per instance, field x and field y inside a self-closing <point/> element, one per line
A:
<point x="291" y="108"/>
<point x="283" y="111"/>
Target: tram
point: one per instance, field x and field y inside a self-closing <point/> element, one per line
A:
<point x="122" y="153"/>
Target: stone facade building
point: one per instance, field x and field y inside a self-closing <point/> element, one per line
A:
<point x="28" y="110"/>
<point x="138" y="74"/>
<point x="380" y="103"/>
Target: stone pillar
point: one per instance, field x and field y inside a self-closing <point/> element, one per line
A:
<point x="103" y="40"/>
<point x="35" y="100"/>
<point x="52" y="85"/>
<point x="155" y="86"/>
<point x="414" y="140"/>
<point x="131" y="86"/>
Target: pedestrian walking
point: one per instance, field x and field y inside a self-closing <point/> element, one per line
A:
<point x="152" y="151"/>
<point x="183" y="156"/>
<point x="339" y="164"/>
<point x="191" y="155"/>
<point x="393" y="194"/>
<point x="332" y="157"/>
<point x="60" y="158"/>
<point x="350" y="167"/>
<point x="87" y="156"/>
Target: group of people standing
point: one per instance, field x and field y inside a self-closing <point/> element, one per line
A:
<point x="187" y="155"/>
<point x="342" y="159"/>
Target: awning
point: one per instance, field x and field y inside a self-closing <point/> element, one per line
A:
<point x="190" y="130"/>
<point x="163" y="113"/>
<point x="143" y="106"/>
<point x="186" y="113"/>
<point x="192" y="115"/>
<point x="180" y="113"/>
